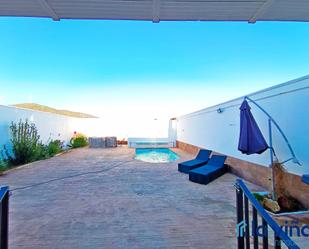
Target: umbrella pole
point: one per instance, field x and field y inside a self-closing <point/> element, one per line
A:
<point x="271" y="161"/>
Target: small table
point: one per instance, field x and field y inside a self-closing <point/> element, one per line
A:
<point x="102" y="142"/>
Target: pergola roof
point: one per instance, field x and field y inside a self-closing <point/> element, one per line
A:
<point x="157" y="10"/>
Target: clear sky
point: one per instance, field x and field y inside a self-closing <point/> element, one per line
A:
<point x="141" y="69"/>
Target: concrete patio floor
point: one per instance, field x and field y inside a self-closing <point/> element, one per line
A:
<point x="103" y="198"/>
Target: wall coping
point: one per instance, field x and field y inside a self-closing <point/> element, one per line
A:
<point x="215" y="107"/>
<point x="37" y="111"/>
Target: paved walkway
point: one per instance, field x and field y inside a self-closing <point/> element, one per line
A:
<point x="102" y="198"/>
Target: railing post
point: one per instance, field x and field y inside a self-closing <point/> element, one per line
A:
<point x="265" y="234"/>
<point x="277" y="242"/>
<point x="254" y="228"/>
<point x="240" y="217"/>
<point x="4" y="239"/>
<point x="247" y="229"/>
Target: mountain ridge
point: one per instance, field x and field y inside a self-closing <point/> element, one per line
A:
<point x="44" y="108"/>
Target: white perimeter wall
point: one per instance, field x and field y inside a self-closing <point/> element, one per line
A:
<point x="50" y="126"/>
<point x="287" y="103"/>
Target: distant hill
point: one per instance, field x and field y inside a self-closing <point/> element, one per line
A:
<point x="44" y="108"/>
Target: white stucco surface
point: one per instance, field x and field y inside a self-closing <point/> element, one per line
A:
<point x="287" y="103"/>
<point x="50" y="126"/>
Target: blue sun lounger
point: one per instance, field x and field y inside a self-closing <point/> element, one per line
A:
<point x="305" y="179"/>
<point x="209" y="172"/>
<point x="201" y="159"/>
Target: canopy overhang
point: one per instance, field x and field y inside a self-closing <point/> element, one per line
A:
<point x="160" y="10"/>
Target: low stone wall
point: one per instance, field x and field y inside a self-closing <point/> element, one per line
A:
<point x="187" y="147"/>
<point x="260" y="175"/>
<point x="292" y="185"/>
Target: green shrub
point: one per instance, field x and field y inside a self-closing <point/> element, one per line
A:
<point x="259" y="197"/>
<point x="54" y="147"/>
<point x="26" y="145"/>
<point x="3" y="166"/>
<point x="79" y="140"/>
<point x="41" y="152"/>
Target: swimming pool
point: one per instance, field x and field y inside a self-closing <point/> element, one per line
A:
<point x="156" y="155"/>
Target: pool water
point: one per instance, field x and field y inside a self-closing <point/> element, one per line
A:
<point x="156" y="155"/>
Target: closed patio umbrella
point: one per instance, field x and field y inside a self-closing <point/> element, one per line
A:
<point x="251" y="140"/>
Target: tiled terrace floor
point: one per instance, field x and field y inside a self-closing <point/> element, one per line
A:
<point x="102" y="198"/>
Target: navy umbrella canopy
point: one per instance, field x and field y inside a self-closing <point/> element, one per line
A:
<point x="251" y="140"/>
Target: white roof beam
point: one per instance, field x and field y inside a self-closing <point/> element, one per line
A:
<point x="48" y="9"/>
<point x="260" y="11"/>
<point x="156" y="10"/>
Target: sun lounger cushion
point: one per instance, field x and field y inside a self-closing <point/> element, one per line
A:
<point x="209" y="172"/>
<point x="203" y="154"/>
<point x="201" y="159"/>
<point x="305" y="179"/>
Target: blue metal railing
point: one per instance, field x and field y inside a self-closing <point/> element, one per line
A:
<point x="243" y="197"/>
<point x="4" y="217"/>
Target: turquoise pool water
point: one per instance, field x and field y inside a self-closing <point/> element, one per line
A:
<point x="156" y="155"/>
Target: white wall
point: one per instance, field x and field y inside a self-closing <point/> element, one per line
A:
<point x="124" y="128"/>
<point x="287" y="103"/>
<point x="53" y="126"/>
<point x="50" y="126"/>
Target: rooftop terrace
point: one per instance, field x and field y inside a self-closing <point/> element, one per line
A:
<point x="90" y="198"/>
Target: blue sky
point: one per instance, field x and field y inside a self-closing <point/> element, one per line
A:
<point x="140" y="67"/>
